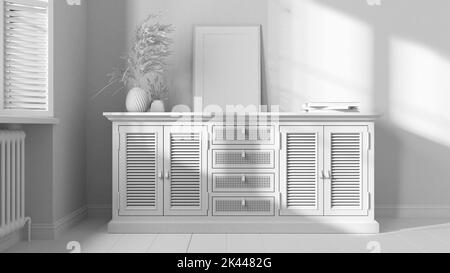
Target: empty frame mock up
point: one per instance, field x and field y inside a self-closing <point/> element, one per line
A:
<point x="227" y="67"/>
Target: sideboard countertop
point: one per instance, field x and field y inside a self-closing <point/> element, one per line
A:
<point x="281" y="116"/>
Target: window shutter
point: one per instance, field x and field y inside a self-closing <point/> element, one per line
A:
<point x="27" y="86"/>
<point x="141" y="156"/>
<point x="301" y="187"/>
<point x="185" y="185"/>
<point x="347" y="185"/>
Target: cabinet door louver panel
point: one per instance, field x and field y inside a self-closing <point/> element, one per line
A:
<point x="302" y="170"/>
<point x="141" y="170"/>
<point x="26" y="56"/>
<point x="185" y="170"/>
<point x="185" y="185"/>
<point x="346" y="170"/>
<point x="346" y="182"/>
<point x="300" y="175"/>
<point x="140" y="176"/>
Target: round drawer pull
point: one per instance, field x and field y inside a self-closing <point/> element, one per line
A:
<point x="244" y="179"/>
<point x="244" y="154"/>
<point x="244" y="203"/>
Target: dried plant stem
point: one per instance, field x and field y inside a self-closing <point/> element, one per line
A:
<point x="146" y="59"/>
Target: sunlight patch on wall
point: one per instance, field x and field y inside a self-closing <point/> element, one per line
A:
<point x="420" y="90"/>
<point x="317" y="53"/>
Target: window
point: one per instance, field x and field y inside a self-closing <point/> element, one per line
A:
<point x="26" y="68"/>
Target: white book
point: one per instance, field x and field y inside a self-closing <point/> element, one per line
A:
<point x="333" y="105"/>
<point x="315" y="110"/>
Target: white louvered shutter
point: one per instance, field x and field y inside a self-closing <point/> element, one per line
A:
<point x="27" y="70"/>
<point x="301" y="157"/>
<point x="346" y="189"/>
<point x="185" y="171"/>
<point x="140" y="170"/>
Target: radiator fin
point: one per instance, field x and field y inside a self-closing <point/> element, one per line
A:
<point x="12" y="181"/>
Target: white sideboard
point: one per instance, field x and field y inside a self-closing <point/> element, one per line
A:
<point x="256" y="173"/>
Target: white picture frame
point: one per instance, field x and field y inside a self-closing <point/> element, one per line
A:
<point x="227" y="68"/>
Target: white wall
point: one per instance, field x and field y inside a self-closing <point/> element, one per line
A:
<point x="394" y="58"/>
<point x="318" y="53"/>
<point x="110" y="26"/>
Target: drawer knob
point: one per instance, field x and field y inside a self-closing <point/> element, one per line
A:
<point x="244" y="203"/>
<point x="244" y="179"/>
<point x="244" y="154"/>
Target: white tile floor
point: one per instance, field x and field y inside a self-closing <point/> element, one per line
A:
<point x="399" y="235"/>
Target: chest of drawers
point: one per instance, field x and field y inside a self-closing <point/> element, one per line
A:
<point x="243" y="170"/>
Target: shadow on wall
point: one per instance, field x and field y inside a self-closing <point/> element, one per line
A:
<point x="395" y="59"/>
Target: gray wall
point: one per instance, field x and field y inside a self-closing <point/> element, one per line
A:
<point x="38" y="173"/>
<point x="56" y="155"/>
<point x="394" y="58"/>
<point x="69" y="137"/>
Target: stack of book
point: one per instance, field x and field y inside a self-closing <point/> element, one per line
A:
<point x="345" y="107"/>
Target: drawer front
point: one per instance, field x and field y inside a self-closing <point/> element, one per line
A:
<point x="234" y="135"/>
<point x="244" y="182"/>
<point x="244" y="206"/>
<point x="243" y="159"/>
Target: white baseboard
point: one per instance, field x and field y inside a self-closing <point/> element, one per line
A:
<point x="53" y="231"/>
<point x="412" y="211"/>
<point x="11" y="239"/>
<point x="100" y="210"/>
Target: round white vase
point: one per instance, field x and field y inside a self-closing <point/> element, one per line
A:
<point x="158" y="106"/>
<point x="138" y="100"/>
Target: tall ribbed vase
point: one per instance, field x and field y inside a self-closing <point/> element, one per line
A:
<point x="138" y="100"/>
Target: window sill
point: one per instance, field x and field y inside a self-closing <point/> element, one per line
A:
<point x="27" y="120"/>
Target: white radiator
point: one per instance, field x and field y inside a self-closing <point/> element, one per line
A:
<point x="12" y="183"/>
